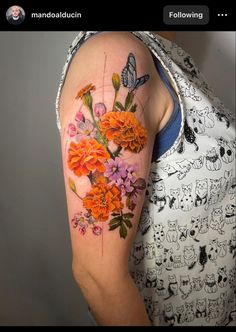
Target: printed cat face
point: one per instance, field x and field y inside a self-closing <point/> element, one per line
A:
<point x="201" y="304"/>
<point x="159" y="260"/>
<point x="172" y="279"/>
<point x="210" y="278"/>
<point x="184" y="280"/>
<point x="151" y="273"/>
<point x="187" y="189"/>
<point x="159" y="186"/>
<point x="215" y="185"/>
<point x="212" y="304"/>
<point x="154" y="176"/>
<point x="230" y="208"/>
<point x="221" y="141"/>
<point x="177" y="259"/>
<point x="189" y="252"/>
<point x="183" y="229"/>
<point x="213" y="243"/>
<point x="160" y="283"/>
<point x="201" y="184"/>
<point x="211" y="153"/>
<point x="168" y="168"/>
<point x="202" y="248"/>
<point x="150" y="246"/>
<point x="204" y="112"/>
<point x="178" y="76"/>
<point x="175" y="192"/>
<point x="222" y="270"/>
<point x="184" y="164"/>
<point x="217" y="212"/>
<point x="168" y="308"/>
<point x="189" y="306"/>
<point x="172" y="224"/>
<point x="193" y="111"/>
<point x="158" y="227"/>
<point x="197" y="280"/>
<point x="222" y="244"/>
<point x="195" y="220"/>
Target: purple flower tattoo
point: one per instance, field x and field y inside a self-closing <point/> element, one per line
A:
<point x="115" y="169"/>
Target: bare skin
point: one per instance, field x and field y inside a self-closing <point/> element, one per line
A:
<point x="15" y="11"/>
<point x="100" y="261"/>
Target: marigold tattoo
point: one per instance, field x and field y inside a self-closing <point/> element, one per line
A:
<point x="115" y="184"/>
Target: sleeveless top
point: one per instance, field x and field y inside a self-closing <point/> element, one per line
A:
<point x="183" y="256"/>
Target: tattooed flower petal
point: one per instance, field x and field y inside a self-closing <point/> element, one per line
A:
<point x="79" y="116"/>
<point x="116" y="81"/>
<point x="115" y="169"/>
<point x="72" y="185"/>
<point x="101" y="200"/>
<point x="97" y="230"/>
<point x="99" y="109"/>
<point x="72" y="130"/>
<point x="124" y="130"/>
<point x="85" y="156"/>
<point x="85" y="90"/>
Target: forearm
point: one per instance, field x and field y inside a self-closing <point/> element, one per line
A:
<point x="115" y="303"/>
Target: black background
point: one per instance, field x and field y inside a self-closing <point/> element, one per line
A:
<point x="113" y="15"/>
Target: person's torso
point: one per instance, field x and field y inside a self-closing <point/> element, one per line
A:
<point x="183" y="257"/>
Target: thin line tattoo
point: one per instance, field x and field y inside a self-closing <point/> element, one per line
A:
<point x="103" y="79"/>
<point x="98" y="139"/>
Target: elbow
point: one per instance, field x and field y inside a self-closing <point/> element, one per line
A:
<point x="102" y="278"/>
<point x="88" y="285"/>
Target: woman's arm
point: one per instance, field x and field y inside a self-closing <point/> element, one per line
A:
<point x="108" y="130"/>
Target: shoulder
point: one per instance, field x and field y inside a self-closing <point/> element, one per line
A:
<point x="114" y="48"/>
<point x="104" y="54"/>
<point x="116" y="43"/>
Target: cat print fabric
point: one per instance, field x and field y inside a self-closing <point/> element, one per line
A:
<point x="190" y="204"/>
<point x="184" y="254"/>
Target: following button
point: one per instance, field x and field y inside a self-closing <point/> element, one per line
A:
<point x="186" y="15"/>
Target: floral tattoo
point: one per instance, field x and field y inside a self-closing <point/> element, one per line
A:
<point x="115" y="185"/>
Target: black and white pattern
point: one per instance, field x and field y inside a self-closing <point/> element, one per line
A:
<point x="191" y="200"/>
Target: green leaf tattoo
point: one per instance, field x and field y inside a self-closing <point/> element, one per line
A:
<point x="99" y="140"/>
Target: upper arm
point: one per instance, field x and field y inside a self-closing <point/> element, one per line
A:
<point x="107" y="141"/>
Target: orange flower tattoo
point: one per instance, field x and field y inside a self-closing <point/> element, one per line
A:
<point x="87" y="155"/>
<point x="85" y="90"/>
<point x="114" y="184"/>
<point x="103" y="199"/>
<point x="124" y="130"/>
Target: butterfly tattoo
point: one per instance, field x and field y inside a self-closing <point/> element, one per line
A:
<point x="129" y="75"/>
